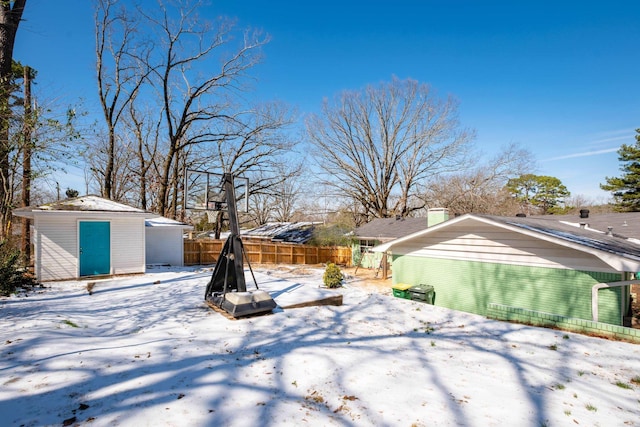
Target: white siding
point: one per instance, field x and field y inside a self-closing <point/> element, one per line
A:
<point x="56" y="247"/>
<point x="56" y="244"/>
<point x="164" y="245"/>
<point x="127" y="245"/>
<point x="478" y="241"/>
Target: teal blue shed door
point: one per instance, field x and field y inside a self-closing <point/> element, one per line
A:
<point x="95" y="248"/>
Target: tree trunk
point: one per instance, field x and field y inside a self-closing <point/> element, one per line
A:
<point x="10" y="17"/>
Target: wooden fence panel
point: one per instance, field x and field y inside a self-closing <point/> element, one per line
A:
<point x="206" y="251"/>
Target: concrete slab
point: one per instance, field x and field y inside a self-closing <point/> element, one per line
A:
<point x="288" y="293"/>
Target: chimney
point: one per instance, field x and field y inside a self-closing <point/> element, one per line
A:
<point x="436" y="216"/>
<point x="584" y="213"/>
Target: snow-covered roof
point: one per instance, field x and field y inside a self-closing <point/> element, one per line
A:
<point x="89" y="203"/>
<point x="293" y="232"/>
<point x="166" y="222"/>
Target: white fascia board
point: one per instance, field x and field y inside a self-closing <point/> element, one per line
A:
<point x="385" y="247"/>
<point x="621" y="262"/>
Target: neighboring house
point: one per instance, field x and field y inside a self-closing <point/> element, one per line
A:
<point x="532" y="264"/>
<point x="382" y="230"/>
<point x="164" y="241"/>
<point x="86" y="236"/>
<point x="622" y="224"/>
<point x="289" y="232"/>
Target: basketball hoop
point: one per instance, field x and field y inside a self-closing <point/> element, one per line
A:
<point x="212" y="217"/>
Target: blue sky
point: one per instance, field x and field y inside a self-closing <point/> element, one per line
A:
<point x="560" y="78"/>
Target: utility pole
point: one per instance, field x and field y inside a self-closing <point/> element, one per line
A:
<point x="26" y="165"/>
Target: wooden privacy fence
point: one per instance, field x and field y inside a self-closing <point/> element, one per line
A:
<point x="206" y="251"/>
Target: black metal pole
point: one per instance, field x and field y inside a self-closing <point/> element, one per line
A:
<point x="234" y="226"/>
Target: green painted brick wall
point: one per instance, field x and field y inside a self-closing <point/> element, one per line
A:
<point x="470" y="286"/>
<point x="366" y="260"/>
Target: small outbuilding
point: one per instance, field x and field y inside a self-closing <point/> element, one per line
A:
<point x="86" y="236"/>
<point x="541" y="266"/>
<point x="164" y="239"/>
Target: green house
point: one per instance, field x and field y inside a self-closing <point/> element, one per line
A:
<point x="382" y="230"/>
<point x="542" y="266"/>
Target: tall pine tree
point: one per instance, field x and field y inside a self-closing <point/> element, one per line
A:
<point x="626" y="189"/>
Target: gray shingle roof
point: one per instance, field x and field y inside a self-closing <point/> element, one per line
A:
<point x="574" y="234"/>
<point x="626" y="224"/>
<point x="385" y="229"/>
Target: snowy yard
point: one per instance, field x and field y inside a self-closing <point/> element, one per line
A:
<point x="146" y="350"/>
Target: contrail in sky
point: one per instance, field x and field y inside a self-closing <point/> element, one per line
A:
<point x="584" y="154"/>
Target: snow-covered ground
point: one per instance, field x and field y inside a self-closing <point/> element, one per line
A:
<point x="146" y="350"/>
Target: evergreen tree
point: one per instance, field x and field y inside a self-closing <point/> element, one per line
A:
<point x="544" y="192"/>
<point x="626" y="189"/>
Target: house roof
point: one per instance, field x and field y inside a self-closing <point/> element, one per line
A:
<point x="624" y="224"/>
<point x="292" y="232"/>
<point x="616" y="251"/>
<point x="166" y="222"/>
<point x="89" y="203"/>
<point x="385" y="229"/>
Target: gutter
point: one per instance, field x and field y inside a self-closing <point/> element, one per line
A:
<point x="598" y="286"/>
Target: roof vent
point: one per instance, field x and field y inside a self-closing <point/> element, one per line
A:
<point x="583" y="225"/>
<point x="584" y="213"/>
<point x="609" y="231"/>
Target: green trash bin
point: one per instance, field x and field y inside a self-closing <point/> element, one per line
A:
<point x="401" y="290"/>
<point x="422" y="293"/>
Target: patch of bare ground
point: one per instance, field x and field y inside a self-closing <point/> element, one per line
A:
<point x="368" y="279"/>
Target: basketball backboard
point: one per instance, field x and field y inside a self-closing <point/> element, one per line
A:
<point x="204" y="191"/>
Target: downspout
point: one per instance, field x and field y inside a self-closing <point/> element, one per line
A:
<point x="598" y="286"/>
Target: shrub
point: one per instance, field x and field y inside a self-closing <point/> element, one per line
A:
<point x="332" y="276"/>
<point x="12" y="273"/>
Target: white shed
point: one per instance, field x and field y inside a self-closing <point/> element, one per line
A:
<point x="86" y="236"/>
<point x="164" y="241"/>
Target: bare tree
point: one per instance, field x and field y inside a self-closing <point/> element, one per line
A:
<point x="196" y="104"/>
<point x="287" y="197"/>
<point x="146" y="134"/>
<point x="255" y="145"/>
<point x="120" y="63"/>
<point x="123" y="182"/>
<point x="481" y="189"/>
<point x="278" y="201"/>
<point x="377" y="145"/>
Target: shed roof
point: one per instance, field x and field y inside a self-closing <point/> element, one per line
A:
<point x="89" y="203"/>
<point x="616" y="251"/>
<point x="385" y="229"/>
<point x="166" y="222"/>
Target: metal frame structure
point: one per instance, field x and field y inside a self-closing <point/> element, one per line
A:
<point x="227" y="288"/>
<point x="211" y="202"/>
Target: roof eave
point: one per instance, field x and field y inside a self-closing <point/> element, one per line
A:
<point x="618" y="261"/>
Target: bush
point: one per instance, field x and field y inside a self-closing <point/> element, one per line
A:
<point x="12" y="273"/>
<point x="332" y="276"/>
